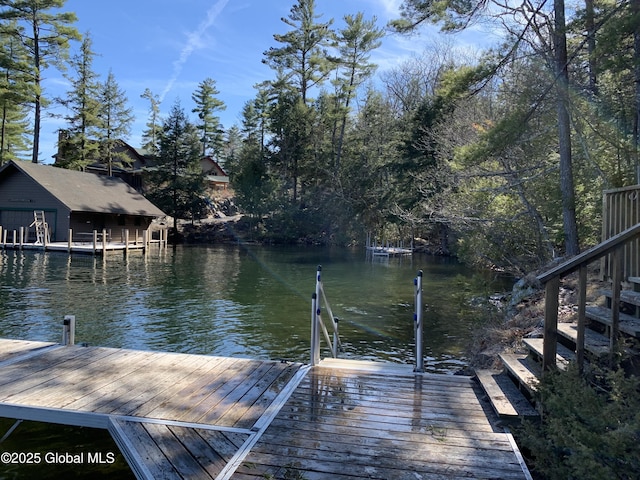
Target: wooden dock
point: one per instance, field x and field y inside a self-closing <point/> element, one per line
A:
<point x="78" y="247"/>
<point x="194" y="416"/>
<point x="92" y="243"/>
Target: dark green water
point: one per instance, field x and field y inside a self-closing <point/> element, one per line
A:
<point x="235" y="301"/>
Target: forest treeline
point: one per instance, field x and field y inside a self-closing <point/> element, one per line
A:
<point x="498" y="156"/>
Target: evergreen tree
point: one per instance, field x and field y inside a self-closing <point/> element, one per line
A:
<point x="15" y="92"/>
<point x="83" y="102"/>
<point x="291" y="122"/>
<point x="115" y="122"/>
<point x="373" y="149"/>
<point x="178" y="183"/>
<point x="255" y="116"/>
<point x="302" y="63"/>
<point x="254" y="186"/>
<point x="231" y="148"/>
<point x="303" y="58"/>
<point x="46" y="37"/>
<point x="209" y="125"/>
<point x="151" y="136"/>
<point x="355" y="44"/>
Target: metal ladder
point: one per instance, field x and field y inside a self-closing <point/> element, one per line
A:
<point x="42" y="229"/>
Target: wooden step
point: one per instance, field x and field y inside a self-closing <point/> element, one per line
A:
<point x="627" y="296"/>
<point x="507" y="401"/>
<point x="635" y="282"/>
<point x="524" y="370"/>
<point x="563" y="354"/>
<point x="628" y="324"/>
<point x="595" y="343"/>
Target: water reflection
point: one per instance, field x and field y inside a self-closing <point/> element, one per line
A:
<point x="233" y="301"/>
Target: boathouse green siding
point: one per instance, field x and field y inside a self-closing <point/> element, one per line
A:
<point x="70" y="199"/>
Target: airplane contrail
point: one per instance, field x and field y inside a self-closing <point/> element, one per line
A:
<point x="193" y="40"/>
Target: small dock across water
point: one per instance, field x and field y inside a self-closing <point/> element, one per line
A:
<point x="194" y="416"/>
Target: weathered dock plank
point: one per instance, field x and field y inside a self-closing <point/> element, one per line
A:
<point x="10" y="349"/>
<point x="112" y="390"/>
<point x="143" y="454"/>
<point x="342" y="423"/>
<point x="170" y="370"/>
<point x="259" y="395"/>
<point x="134" y="383"/>
<point x="192" y="416"/>
<point x="26" y="376"/>
<point x="176" y="405"/>
<point x="75" y="374"/>
<point x="169" y="451"/>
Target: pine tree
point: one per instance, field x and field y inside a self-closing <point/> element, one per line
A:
<point x="253" y="185"/>
<point x="231" y="148"/>
<point x="303" y="58"/>
<point x="115" y="122"/>
<point x="302" y="63"/>
<point x="355" y="43"/>
<point x="46" y="37"/>
<point x="151" y="136"/>
<point x="178" y="182"/>
<point x="209" y="125"/>
<point x="255" y="117"/>
<point x="83" y="104"/>
<point x="15" y="92"/>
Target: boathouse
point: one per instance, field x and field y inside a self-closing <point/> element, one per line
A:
<point x="70" y="199"/>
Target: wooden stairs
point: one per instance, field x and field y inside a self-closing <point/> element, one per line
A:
<point x="511" y="391"/>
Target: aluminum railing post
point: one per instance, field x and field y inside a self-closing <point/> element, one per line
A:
<point x="418" y="324"/>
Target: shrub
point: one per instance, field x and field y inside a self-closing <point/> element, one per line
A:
<point x="590" y="426"/>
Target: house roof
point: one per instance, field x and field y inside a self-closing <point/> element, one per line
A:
<point x="213" y="165"/>
<point x="87" y="192"/>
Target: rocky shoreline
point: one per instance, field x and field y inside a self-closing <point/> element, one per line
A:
<point x="519" y="314"/>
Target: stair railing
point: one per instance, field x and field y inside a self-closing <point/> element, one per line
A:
<point x="318" y="325"/>
<point x="551" y="280"/>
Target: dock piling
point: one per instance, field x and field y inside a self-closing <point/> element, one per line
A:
<point x="69" y="330"/>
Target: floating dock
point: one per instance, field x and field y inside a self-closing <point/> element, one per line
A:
<point x="195" y="416"/>
<point x="389" y="251"/>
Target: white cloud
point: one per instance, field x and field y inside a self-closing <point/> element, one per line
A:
<point x="391" y="7"/>
<point x="194" y="42"/>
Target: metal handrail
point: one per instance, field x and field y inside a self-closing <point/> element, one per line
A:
<point x="317" y="324"/>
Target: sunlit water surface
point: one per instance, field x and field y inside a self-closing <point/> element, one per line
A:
<point x="242" y="301"/>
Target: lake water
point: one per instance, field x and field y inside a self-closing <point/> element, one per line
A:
<point x="243" y="301"/>
<point x="227" y="300"/>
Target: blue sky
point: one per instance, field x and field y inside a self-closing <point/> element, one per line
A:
<point x="171" y="46"/>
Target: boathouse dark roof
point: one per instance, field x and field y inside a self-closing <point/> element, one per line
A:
<point x="86" y="192"/>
